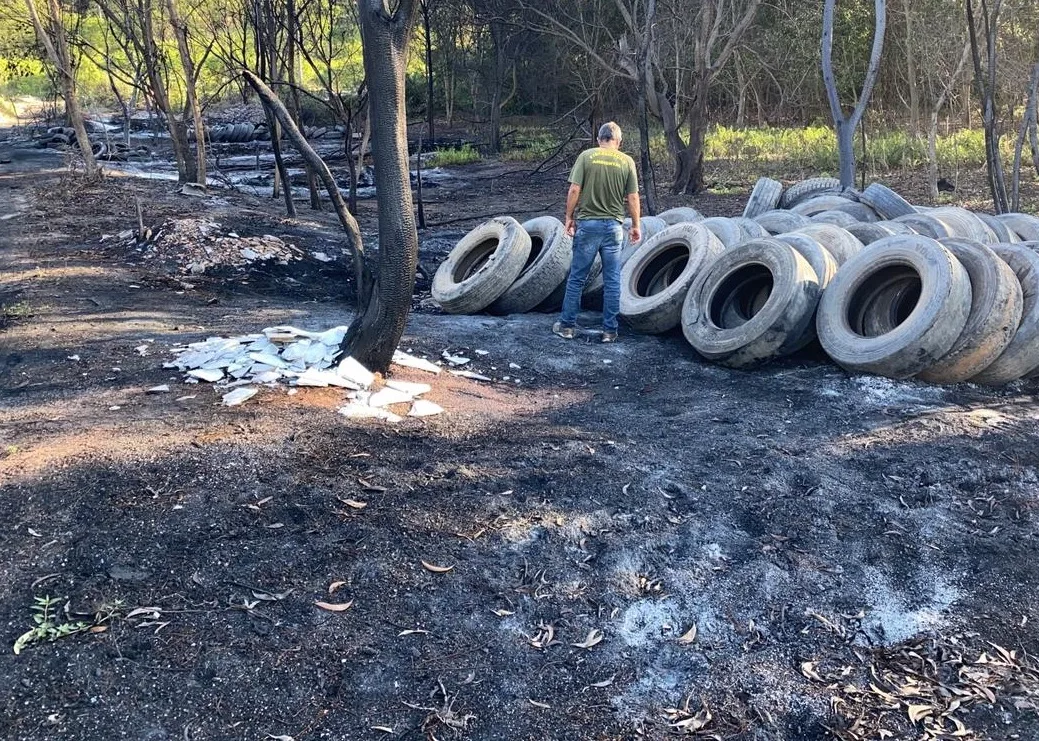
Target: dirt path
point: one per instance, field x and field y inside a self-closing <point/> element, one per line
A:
<point x="844" y="546"/>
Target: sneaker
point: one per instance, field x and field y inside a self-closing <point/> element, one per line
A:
<point x="567" y="333"/>
<point x="608" y="336"/>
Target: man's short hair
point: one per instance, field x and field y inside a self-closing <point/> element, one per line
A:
<point x="609" y="132"/>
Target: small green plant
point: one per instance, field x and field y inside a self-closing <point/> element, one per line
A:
<point x="454" y="157"/>
<point x="20" y="310"/>
<point x="532" y="145"/>
<point x="47" y="628"/>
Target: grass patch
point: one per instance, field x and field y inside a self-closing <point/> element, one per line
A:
<point x="530" y="145"/>
<point x="19" y="310"/>
<point x="815" y="148"/>
<point x="454" y="157"/>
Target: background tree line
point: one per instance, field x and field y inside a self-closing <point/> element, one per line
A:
<point x="670" y="68"/>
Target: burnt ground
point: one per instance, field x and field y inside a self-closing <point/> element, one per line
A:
<point x="854" y="553"/>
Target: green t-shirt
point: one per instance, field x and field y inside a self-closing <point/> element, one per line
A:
<point x="606" y="177"/>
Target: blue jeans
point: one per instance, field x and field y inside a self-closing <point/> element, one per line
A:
<point x="595" y="237"/>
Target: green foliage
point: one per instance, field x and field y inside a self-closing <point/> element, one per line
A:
<point x="530" y="145"/>
<point x="815" y="148"/>
<point x="19" y="310"/>
<point x="454" y="157"/>
<point x="47" y="627"/>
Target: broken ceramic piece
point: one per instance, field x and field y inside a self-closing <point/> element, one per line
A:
<point x="163" y="389"/>
<point x="410" y="361"/>
<point x="470" y="374"/>
<point x="454" y="359"/>
<point x="362" y="411"/>
<point x="212" y="375"/>
<point x="415" y="389"/>
<point x="387" y="396"/>
<point x="424" y="408"/>
<point x="240" y="396"/>
<point x="351" y="370"/>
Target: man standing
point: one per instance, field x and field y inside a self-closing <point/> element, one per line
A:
<point x="602" y="182"/>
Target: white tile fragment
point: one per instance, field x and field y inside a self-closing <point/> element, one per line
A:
<point x="239" y="396"/>
<point x="410" y="361"/>
<point x="454" y="359"/>
<point x="424" y="408"/>
<point x="362" y="411"/>
<point x="470" y="375"/>
<point x="163" y="389"/>
<point x="207" y="374"/>
<point x="415" y="389"/>
<point x="268" y="359"/>
<point x="351" y="370"/>
<point x="388" y="396"/>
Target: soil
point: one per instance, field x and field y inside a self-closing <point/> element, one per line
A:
<point x="815" y="528"/>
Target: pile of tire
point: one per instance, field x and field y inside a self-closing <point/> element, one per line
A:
<point x="101" y="144"/>
<point x="940" y="294"/>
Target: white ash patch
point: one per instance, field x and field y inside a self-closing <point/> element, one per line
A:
<point x="648" y="621"/>
<point x="888" y="392"/>
<point x="892" y="619"/>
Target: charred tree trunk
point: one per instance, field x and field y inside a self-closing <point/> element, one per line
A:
<point x="985" y="85"/>
<point x="689" y="173"/>
<point x="845" y="125"/>
<point x="53" y="40"/>
<point x="648" y="182"/>
<point x="914" y="88"/>
<point x="375" y="333"/>
<point x="191" y="104"/>
<point x="429" y="72"/>
<point x="1028" y="124"/>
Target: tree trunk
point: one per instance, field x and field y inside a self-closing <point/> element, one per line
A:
<point x="291" y="33"/>
<point x="932" y="155"/>
<point x="845" y="125"/>
<point x="429" y="72"/>
<point x="846" y="151"/>
<point x="689" y="165"/>
<point x="191" y="103"/>
<point x="53" y="40"/>
<point x="1028" y="122"/>
<point x="281" y="173"/>
<point x="644" y="74"/>
<point x="374" y="335"/>
<point x="494" y="114"/>
<point x="153" y="68"/>
<point x="985" y="85"/>
<point x="914" y="90"/>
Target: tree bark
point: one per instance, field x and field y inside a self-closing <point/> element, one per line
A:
<point x="845" y="125"/>
<point x="54" y="41"/>
<point x="429" y="71"/>
<point x="1028" y="123"/>
<point x="648" y="181"/>
<point x="180" y="30"/>
<point x="914" y="89"/>
<point x="374" y="335"/>
<point x="985" y="85"/>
